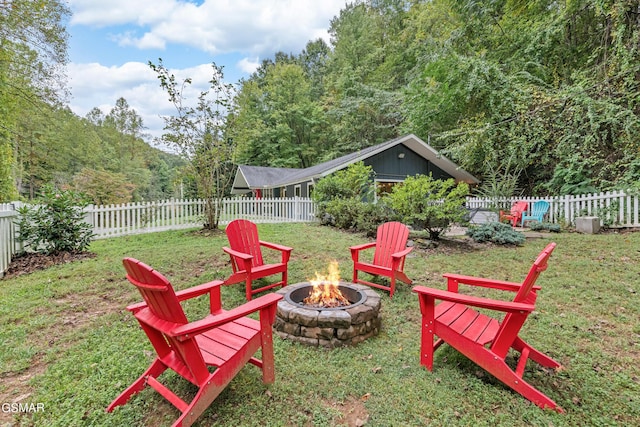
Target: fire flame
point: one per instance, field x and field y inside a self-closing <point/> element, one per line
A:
<point x="325" y="292"/>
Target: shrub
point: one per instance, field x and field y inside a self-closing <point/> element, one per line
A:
<point x="496" y="232"/>
<point x="342" y="213"/>
<point x="354" y="182"/>
<point x="544" y="226"/>
<point x="56" y="224"/>
<point x="371" y="215"/>
<point x="429" y="204"/>
<point x="344" y="196"/>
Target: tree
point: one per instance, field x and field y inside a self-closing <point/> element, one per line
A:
<point x="278" y="122"/>
<point x="102" y="187"/>
<point x="200" y="134"/>
<point x="33" y="51"/>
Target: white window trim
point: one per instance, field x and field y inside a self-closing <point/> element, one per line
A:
<point x="375" y="186"/>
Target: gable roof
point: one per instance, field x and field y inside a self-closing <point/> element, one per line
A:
<point x="256" y="177"/>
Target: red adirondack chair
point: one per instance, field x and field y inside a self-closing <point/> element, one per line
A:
<point x="515" y="215"/>
<point x="388" y="258"/>
<point x="224" y="340"/>
<point x="246" y="257"/>
<point x="455" y="322"/>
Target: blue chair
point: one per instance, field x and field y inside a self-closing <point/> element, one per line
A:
<point x="538" y="210"/>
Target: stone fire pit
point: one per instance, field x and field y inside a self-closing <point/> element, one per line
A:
<point x="328" y="327"/>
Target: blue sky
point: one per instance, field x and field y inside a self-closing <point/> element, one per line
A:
<point x="112" y="41"/>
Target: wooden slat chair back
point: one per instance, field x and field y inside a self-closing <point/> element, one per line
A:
<point x="515" y="214"/>
<point x="243" y="237"/>
<point x="388" y="257"/>
<point x="247" y="261"/>
<point x="163" y="303"/>
<point x="224" y="341"/>
<point x="484" y="339"/>
<point x="538" y="210"/>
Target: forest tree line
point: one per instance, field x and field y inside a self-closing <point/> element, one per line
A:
<point x="103" y="156"/>
<point x="534" y="97"/>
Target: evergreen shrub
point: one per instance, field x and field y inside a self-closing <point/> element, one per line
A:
<point x="544" y="226"/>
<point x="496" y="232"/>
<point x="55" y="224"/>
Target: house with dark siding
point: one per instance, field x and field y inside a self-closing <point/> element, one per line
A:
<point x="392" y="161"/>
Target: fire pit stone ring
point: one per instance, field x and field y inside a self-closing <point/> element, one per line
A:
<point x="328" y="327"/>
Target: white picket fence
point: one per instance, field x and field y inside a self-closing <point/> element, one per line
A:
<point x="136" y="218"/>
<point x="8" y="243"/>
<point x="615" y="209"/>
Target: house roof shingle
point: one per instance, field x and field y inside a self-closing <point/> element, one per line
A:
<point x="255" y="177"/>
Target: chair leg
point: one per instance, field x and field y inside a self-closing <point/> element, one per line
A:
<point x="156" y="368"/>
<point x="515" y="382"/>
<point x="248" y="289"/>
<point x="268" y="358"/>
<point x="403" y="277"/>
<point x="534" y="354"/>
<point x="427" y="307"/>
<point x="392" y="287"/>
<point x="497" y="367"/>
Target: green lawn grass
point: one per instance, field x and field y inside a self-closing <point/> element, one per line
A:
<point x="68" y="342"/>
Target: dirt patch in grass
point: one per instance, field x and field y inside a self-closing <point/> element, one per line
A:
<point x="16" y="389"/>
<point x="30" y="262"/>
<point x="450" y="245"/>
<point x="354" y="413"/>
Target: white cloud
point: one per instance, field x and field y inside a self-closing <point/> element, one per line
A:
<point x="249" y="65"/>
<point x="248" y="29"/>
<point x="101" y="13"/>
<point x="215" y="26"/>
<point x="101" y="86"/>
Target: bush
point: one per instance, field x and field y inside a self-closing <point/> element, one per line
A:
<point x="429" y="204"/>
<point x="56" y="224"/>
<point x="342" y="198"/>
<point x="342" y="213"/>
<point x="371" y="215"/>
<point x="354" y="182"/>
<point x="496" y="232"/>
<point x="544" y="226"/>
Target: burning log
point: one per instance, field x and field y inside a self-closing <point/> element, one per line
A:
<point x="325" y="291"/>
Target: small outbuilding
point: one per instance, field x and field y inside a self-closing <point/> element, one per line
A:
<point x="392" y="161"/>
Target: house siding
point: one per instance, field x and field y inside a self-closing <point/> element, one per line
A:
<point x="388" y="166"/>
<point x="304" y="189"/>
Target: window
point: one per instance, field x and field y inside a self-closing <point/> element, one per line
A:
<point x="297" y="190"/>
<point x="385" y="187"/>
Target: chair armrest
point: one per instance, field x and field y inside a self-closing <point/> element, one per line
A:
<point x="485" y="283"/>
<point x="286" y="250"/>
<point x="491" y="304"/>
<point x="275" y="246"/>
<point x="185" y="294"/>
<point x="402" y="253"/>
<point x="362" y="246"/>
<point x="355" y="250"/>
<point x="196" y="291"/>
<point x="211" y="321"/>
<point x="234" y="253"/>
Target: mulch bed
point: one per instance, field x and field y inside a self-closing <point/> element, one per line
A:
<point x="30" y="262"/>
